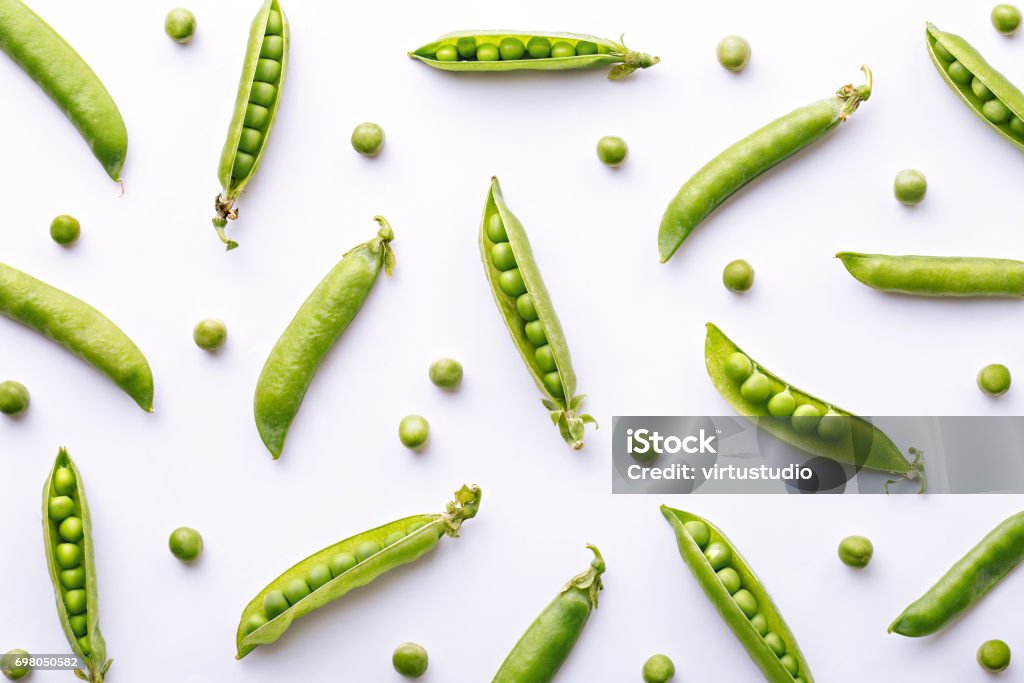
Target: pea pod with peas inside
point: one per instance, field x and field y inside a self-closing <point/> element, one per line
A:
<point x="67" y="536"/>
<point x="985" y="91"/>
<point x="798" y="418"/>
<point x="747" y="159"/>
<point x="332" y="572"/>
<point x="740" y="598"/>
<point x="941" y="276"/>
<point x="259" y="96"/>
<point x="476" y="51"/>
<point x="526" y="307"/>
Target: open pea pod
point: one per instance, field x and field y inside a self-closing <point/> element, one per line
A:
<point x="740" y="598"/>
<point x="332" y="572"/>
<point x="801" y="419"/>
<point x="985" y="91"/>
<point x="526" y="307"/>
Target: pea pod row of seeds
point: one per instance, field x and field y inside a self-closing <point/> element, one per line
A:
<point x="259" y="95"/>
<point x="942" y="276"/>
<point x="526" y="307"/>
<point x="334" y="571"/>
<point x="740" y="598"/>
<point x="798" y="418"/>
<point x="67" y="536"/>
<point x="513" y="51"/>
<point x="984" y="90"/>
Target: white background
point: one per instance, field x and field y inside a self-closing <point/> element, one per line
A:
<point x="151" y="261"/>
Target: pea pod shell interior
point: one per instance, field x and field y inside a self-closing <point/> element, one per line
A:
<point x="755" y="645"/>
<point x="937" y="275"/>
<point x="611" y="54"/>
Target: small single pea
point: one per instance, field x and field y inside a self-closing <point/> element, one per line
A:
<point x="776" y="643"/>
<point x="410" y="660"/>
<point x="414" y="527"/>
<point x="296" y="590"/>
<point x="994" y="379"/>
<point x="496" y="229"/>
<point x="60" y="507"/>
<point x="738" y="367"/>
<point x="526" y="308"/>
<point x="563" y="49"/>
<point x="746" y="601"/>
<point x="790" y="664"/>
<point x="718" y="555"/>
<point x="511" y="48"/>
<point x="699" y="532"/>
<point x="342" y="562"/>
<point x="1006" y="19"/>
<point x="856" y="551"/>
<point x="612" y="150"/>
<point x="658" y="669"/>
<point x="756" y="388"/>
<point x="319" y="575"/>
<point x="413" y="431"/>
<point x="760" y="624"/>
<point x="502" y="256"/>
<point x="64" y="482"/>
<point x="85" y="645"/>
<point x="447" y="53"/>
<point x="13" y="671"/>
<point x="738" y="276"/>
<point x="14" y="398"/>
<point x="535" y="333"/>
<point x="210" y="334"/>
<point x="76" y="601"/>
<point x="833" y="426"/>
<point x="943" y="54"/>
<point x="1017" y="126"/>
<point x="488" y="52"/>
<point x="805" y="418"/>
<point x="733" y="53"/>
<point x="71" y="529"/>
<point x="393" y="538"/>
<point x="253" y="622"/>
<point x="185" y="543"/>
<point x="275" y="604"/>
<point x="995" y="111"/>
<point x="446" y="373"/>
<point x="68" y="555"/>
<point x="366" y="550"/>
<point x="730" y="579"/>
<point x="368" y="139"/>
<point x="553" y="383"/>
<point x="960" y="73"/>
<point x="545" y="358"/>
<point x="72" y="578"/>
<point x="910" y="186"/>
<point x="466" y="47"/>
<point x="586" y="47"/>
<point x="782" y="404"/>
<point x="511" y="282"/>
<point x="79" y="624"/>
<point x="180" y="25"/>
<point x="981" y="90"/>
<point x="64" y="229"/>
<point x="994" y="656"/>
<point x="539" y="47"/>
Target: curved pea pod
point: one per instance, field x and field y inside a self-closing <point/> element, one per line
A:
<point x="321" y="319"/>
<point x="779" y="656"/>
<point x="82" y="627"/>
<point x="67" y="80"/>
<point x="588" y="52"/>
<point x="747" y="159"/>
<point x="966" y="582"/>
<point x="948" y="49"/>
<point x="79" y="328"/>
<point x="535" y="329"/>
<point x="547" y="643"/>
<point x="859" y="442"/>
<point x="332" y="572"/>
<point x="259" y="96"/>
<point x="944" y="276"/>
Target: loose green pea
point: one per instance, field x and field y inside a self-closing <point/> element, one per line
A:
<point x="447" y="53"/>
<point x="856" y="551"/>
<point x="782" y="404"/>
<point x="413" y="431"/>
<point x="319" y="575"/>
<point x="73" y="578"/>
<point x="60" y="507"/>
<point x="342" y="562"/>
<point x="910" y="186"/>
<point x="658" y="669"/>
<point x="718" y="555"/>
<point x="526" y="308"/>
<point x="960" y="73"/>
<point x="994" y="379"/>
<point x="296" y="590"/>
<point x="730" y="579"/>
<point x="79" y="624"/>
<point x="805" y="418"/>
<point x="790" y="664"/>
<point x="1006" y="19"/>
<point x="995" y="111"/>
<point x="733" y="53"/>
<point x="10" y="670"/>
<point x="586" y="47"/>
<point x="553" y="383"/>
<point x="366" y="550"/>
<point x="75" y="601"/>
<point x="496" y="229"/>
<point x="535" y="333"/>
<point x="545" y="358"/>
<point x="275" y="604"/>
<point x="612" y="150"/>
<point x="539" y="47"/>
<point x="69" y="555"/>
<point x="71" y="530"/>
<point x="185" y="543"/>
<point x="393" y="538"/>
<point x="210" y="334"/>
<point x="746" y="601"/>
<point x="180" y="25"/>
<point x="14" y="397"/>
<point x="756" y="388"/>
<point x="511" y="48"/>
<point x="254" y="622"/>
<point x="502" y="256"/>
<point x="775" y="642"/>
<point x="699" y="532"/>
<point x="446" y="373"/>
<point x="488" y="52"/>
<point x="64" y="229"/>
<point x="943" y="54"/>
<point x="368" y="139"/>
<point x="511" y="282"/>
<point x="738" y="367"/>
<point x="738" y="276"/>
<point x="410" y="660"/>
<point x="1017" y="126"/>
<point x="833" y="426"/>
<point x="64" y="482"/>
<point x="760" y="624"/>
<point x="562" y="49"/>
<point x="981" y="90"/>
<point x="994" y="656"/>
<point x="466" y="47"/>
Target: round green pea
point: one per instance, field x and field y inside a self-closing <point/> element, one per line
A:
<point x="466" y="47"/>
<point x="718" y="555"/>
<point x="805" y="418"/>
<point x="1006" y="19"/>
<point x="79" y="624"/>
<point x="960" y="73"/>
<point x="447" y="53"/>
<point x="60" y="507"/>
<point x="527" y="308"/>
<point x="553" y="383"/>
<point x="981" y="90"/>
<point x="502" y="256"/>
<point x="790" y="664"/>
<point x="496" y="228"/>
<point x="994" y="656"/>
<point x="296" y="590"/>
<point x="342" y="562"/>
<point x="511" y="48"/>
<point x="538" y="47"/>
<point x="760" y="624"/>
<point x="393" y="538"/>
<point x="699" y="532"/>
<point x="856" y="551"/>
<point x="738" y="367"/>
<point x="733" y="53"/>
<point x="75" y="601"/>
<point x="64" y="230"/>
<point x="995" y="111"/>
<point x="69" y="555"/>
<point x="275" y="604"/>
<point x="612" y="150"/>
<point x="488" y="52"/>
<point x="909" y="187"/>
<point x="368" y="139"/>
<point x="738" y="276"/>
<point x="756" y="388"/>
<point x="562" y="49"/>
<point x="545" y="358"/>
<point x="71" y="529"/>
<point x="185" y="543"/>
<point x="85" y="645"/>
<point x="180" y="25"/>
<point x="210" y="334"/>
<point x="253" y="622"/>
<point x="319" y="574"/>
<point x="511" y="282"/>
<point x="833" y="426"/>
<point x="1017" y="126"/>
<point x="746" y="601"/>
<point x="658" y="669"/>
<point x="782" y="404"/>
<point x="446" y="373"/>
<point x="366" y="550"/>
<point x="410" y="660"/>
<point x="994" y="379"/>
<point x="12" y="671"/>
<point x="413" y="431"/>
<point x="14" y="398"/>
<point x="414" y="527"/>
<point x="775" y="642"/>
<point x="64" y="482"/>
<point x="730" y="579"/>
<point x="586" y="47"/>
<point x="942" y="53"/>
<point x="268" y="71"/>
<point x="535" y="333"/>
<point x="72" y="578"/>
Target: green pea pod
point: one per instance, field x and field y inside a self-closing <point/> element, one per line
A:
<point x="747" y="159"/>
<point x="67" y="80"/>
<point x="985" y="91"/>
<point x="751" y="615"/>
<point x="855" y="441"/>
<point x="332" y="572"/>
<point x="515" y="280"/>
<point x="259" y="96"/>
<point x="954" y="276"/>
<point x="580" y="52"/>
<point x="545" y="646"/>
<point x="309" y="336"/>
<point x="966" y="582"/>
<point x="78" y="327"/>
<point x="73" y="574"/>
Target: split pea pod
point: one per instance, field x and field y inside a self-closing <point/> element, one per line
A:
<point x="530" y="316"/>
<point x="740" y="598"/>
<point x="79" y="328"/>
<point x="798" y="418"/>
<point x="332" y="572"/>
<point x="321" y="319"/>
<point x="966" y="582"/>
<point x="985" y="91"/>
<point x="747" y="159"/>
<point x="259" y="95"/>
<point x="545" y="646"/>
<point x="67" y="536"/>
<point x="525" y="50"/>
<point x="956" y="276"/>
<point x="67" y="80"/>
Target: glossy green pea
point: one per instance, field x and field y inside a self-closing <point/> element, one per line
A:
<point x="368" y="139"/>
<point x="833" y="426"/>
<point x="244" y="163"/>
<point x="733" y="53"/>
<point x="856" y="551"/>
<point x="612" y="150"/>
<point x="275" y="23"/>
<point x="267" y="71"/>
<point x="699" y="532"/>
<point x="79" y="625"/>
<point x="296" y="590"/>
<point x="10" y="668"/>
<point x="275" y="604"/>
<point x="466" y="47"/>
<point x="65" y="230"/>
<point x="186" y="544"/>
<point x="511" y="282"/>
<point x="738" y="276"/>
<point x="262" y="94"/>
<point x="250" y="141"/>
<point x="410" y="660"/>
<point x="535" y="333"/>
<point x="511" y="48"/>
<point x="563" y="49"/>
<point x="775" y="642"/>
<point x="959" y="73"/>
<point x="502" y="256"/>
<point x="318" y="576"/>
<point x="995" y="111"/>
<point x="746" y="601"/>
<point x="994" y="655"/>
<point x="658" y="669"/>
<point x="256" y="116"/>
<point x="526" y="308"/>
<point x="254" y="622"/>
<point x="732" y="582"/>
<point x="756" y="388"/>
<point x="413" y="432"/>
<point x="994" y="379"/>
<point x="1006" y="19"/>
<point x="806" y="418"/>
<point x="910" y="187"/>
<point x="75" y="601"/>
<point x="366" y="550"/>
<point x="760" y="624"/>
<point x="495" y="229"/>
<point x="72" y="578"/>
<point x="942" y="53"/>
<point x="539" y="47"/>
<point x="586" y="47"/>
<point x="85" y="645"/>
<point x="446" y="373"/>
<point x="790" y="664"/>
<point x="71" y="529"/>
<point x="738" y="367"/>
<point x="488" y="52"/>
<point x="210" y="334"/>
<point x="553" y="384"/>
<point x="782" y="404"/>
<point x="981" y="90"/>
<point x="447" y="53"/>
<point x="272" y="48"/>
<point x="180" y="25"/>
<point x="14" y="397"/>
<point x="1016" y="126"/>
<point x="942" y="276"/>
<point x="342" y="562"/>
<point x="718" y="555"/>
<point x="545" y="358"/>
<point x="60" y="507"/>
<point x="69" y="555"/>
<point x="64" y="481"/>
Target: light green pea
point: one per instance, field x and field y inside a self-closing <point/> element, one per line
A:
<point x="756" y="388"/>
<point x="69" y="555"/>
<point x="296" y="590"/>
<point x="730" y="579"/>
<point x="14" y="398"/>
<point x="73" y="578"/>
<point x="466" y="47"/>
<point x="1006" y="19"/>
<point x="1017" y="127"/>
<point x="64" y="230"/>
<point x="64" y="481"/>
<point x="319" y="575"/>
<point x="71" y="529"/>
<point x="612" y="150"/>
<point x="272" y="48"/>
<point x="368" y="139"/>
<point x="60" y="507"/>
<point x="210" y="334"/>
<point x="738" y="367"/>
<point x="981" y="90"/>
<point x="535" y="333"/>
<point x="79" y="624"/>
<point x="185" y="543"/>
<point x="790" y="664"/>
<point x="496" y="228"/>
<point x="658" y="669"/>
<point x="10" y="670"/>
<point x="738" y="276"/>
<point x="942" y="53"/>
<point x="180" y="25"/>
<point x="254" y="622"/>
<point x="805" y="418"/>
<point x="833" y="426"/>
<point x="910" y="186"/>
<point x="562" y="49"/>
<point x="760" y="624"/>
<point x="586" y="47"/>
<point x="502" y="256"/>
<point x="699" y="532"/>
<point x="545" y="358"/>
<point x="733" y="53"/>
<point x="746" y="601"/>
<point x="410" y="660"/>
<point x="488" y="52"/>
<point x="539" y="47"/>
<point x="718" y="555"/>
<point x="526" y="308"/>
<point x="553" y="383"/>
<point x="511" y="48"/>
<point x="274" y="604"/>
<point x="856" y="551"/>
<point x="366" y="550"/>
<point x="342" y="562"/>
<point x="775" y="642"/>
<point x="511" y="282"/>
<point x="76" y="601"/>
<point x="995" y="111"/>
<point x="959" y="73"/>
<point x="994" y="379"/>
<point x="782" y="404"/>
<point x="994" y="656"/>
<point x="447" y="53"/>
<point x="393" y="538"/>
<point x="413" y="431"/>
<point x="446" y="373"/>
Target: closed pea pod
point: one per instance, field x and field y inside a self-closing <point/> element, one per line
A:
<point x="256" y="105"/>
<point x="291" y="595"/>
<point x="941" y="276"/>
